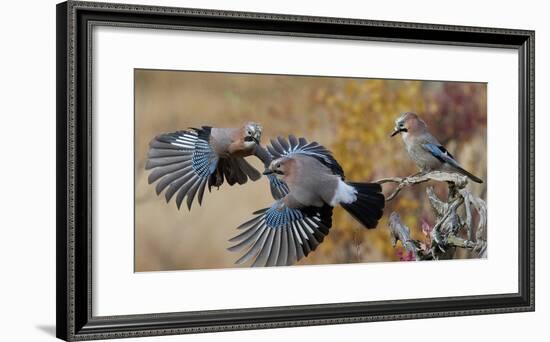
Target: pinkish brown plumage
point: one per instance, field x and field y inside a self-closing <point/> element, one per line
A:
<point x="424" y="149"/>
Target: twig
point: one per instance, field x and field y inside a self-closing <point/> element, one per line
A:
<point x="481" y="208"/>
<point x="400" y="232"/>
<point x="438" y="206"/>
<point x="439" y="176"/>
<point x="456" y="241"/>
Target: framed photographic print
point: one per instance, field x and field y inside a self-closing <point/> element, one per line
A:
<point x="223" y="170"/>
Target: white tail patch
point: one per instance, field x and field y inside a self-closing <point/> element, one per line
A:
<point x="344" y="194"/>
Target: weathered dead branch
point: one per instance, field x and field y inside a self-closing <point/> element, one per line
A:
<point x="449" y="224"/>
<point x="454" y="178"/>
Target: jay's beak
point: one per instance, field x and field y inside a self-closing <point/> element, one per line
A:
<point x="252" y="138"/>
<point x="397" y="131"/>
<point x="267" y="172"/>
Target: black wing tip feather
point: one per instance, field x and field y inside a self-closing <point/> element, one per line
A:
<point x="477" y="180"/>
<point x="470" y="175"/>
<point x="284" y="143"/>
<point x="261" y="211"/>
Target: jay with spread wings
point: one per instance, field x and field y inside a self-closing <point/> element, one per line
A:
<point x="307" y="183"/>
<point x="185" y="162"/>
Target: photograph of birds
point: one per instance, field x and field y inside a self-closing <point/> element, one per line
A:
<point x="299" y="168"/>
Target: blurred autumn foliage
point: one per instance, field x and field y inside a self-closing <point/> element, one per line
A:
<point x="352" y="117"/>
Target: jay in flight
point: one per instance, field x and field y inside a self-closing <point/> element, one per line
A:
<point x="185" y="162"/>
<point x="307" y="183"/>
<point x="424" y="149"/>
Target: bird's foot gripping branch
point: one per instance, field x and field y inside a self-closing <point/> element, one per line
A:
<point x="454" y="218"/>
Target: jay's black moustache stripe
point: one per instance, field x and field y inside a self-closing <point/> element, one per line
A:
<point x="397" y="131"/>
<point x="252" y="139"/>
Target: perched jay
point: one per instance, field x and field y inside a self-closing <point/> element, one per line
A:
<point x="312" y="183"/>
<point x="424" y="149"/>
<point x="186" y="161"/>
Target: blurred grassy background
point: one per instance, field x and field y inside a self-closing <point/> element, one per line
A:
<point x="352" y="117"/>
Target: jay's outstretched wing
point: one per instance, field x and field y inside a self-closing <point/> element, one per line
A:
<point x="280" y="147"/>
<point x="280" y="235"/>
<point x="183" y="161"/>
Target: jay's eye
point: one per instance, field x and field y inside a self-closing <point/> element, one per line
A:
<point x="278" y="165"/>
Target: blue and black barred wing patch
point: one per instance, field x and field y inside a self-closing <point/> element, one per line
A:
<point x="282" y="236"/>
<point x="182" y="163"/>
<point x="444" y="156"/>
<point x="441" y="154"/>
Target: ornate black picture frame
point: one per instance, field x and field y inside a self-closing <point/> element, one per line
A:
<point x="74" y="256"/>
